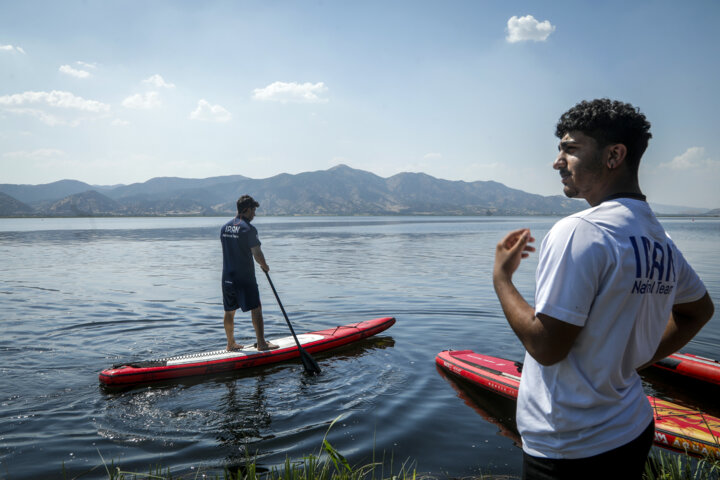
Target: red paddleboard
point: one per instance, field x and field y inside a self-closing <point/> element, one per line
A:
<point x="222" y="361"/>
<point x="676" y="427"/>
<point x="692" y="366"/>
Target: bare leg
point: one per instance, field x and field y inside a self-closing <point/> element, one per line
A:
<point x="229" y="323"/>
<point x="259" y="326"/>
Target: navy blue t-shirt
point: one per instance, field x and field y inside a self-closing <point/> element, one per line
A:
<point x="238" y="237"/>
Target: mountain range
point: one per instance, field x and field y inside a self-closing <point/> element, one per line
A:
<point x="340" y="190"/>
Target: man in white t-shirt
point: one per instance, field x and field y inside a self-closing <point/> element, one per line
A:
<point x="614" y="294"/>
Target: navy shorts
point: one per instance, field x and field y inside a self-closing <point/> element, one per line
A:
<point x="243" y="296"/>
<point x="625" y="462"/>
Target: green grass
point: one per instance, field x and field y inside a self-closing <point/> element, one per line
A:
<point x="329" y="464"/>
<point x="666" y="466"/>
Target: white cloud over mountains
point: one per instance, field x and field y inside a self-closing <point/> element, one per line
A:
<point x="693" y="158"/>
<point x="142" y="101"/>
<point x="11" y="49"/>
<point x="206" y="112"/>
<point x="73" y="72"/>
<point x="54" y="98"/>
<point x="158" y="82"/>
<point x="292" y="92"/>
<point x="91" y="66"/>
<point x="523" y="29"/>
<point x="52" y="108"/>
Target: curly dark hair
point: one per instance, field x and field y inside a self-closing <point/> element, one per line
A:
<point x="246" y="201"/>
<point x="609" y="122"/>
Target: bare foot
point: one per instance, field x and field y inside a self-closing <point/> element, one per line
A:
<point x="266" y="346"/>
<point x="234" y="347"/>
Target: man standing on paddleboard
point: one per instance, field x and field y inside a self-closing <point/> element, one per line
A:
<point x="240" y="245"/>
<point x="613" y="294"/>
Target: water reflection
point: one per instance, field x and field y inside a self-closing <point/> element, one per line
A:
<point x="499" y="411"/>
<point x="244" y="418"/>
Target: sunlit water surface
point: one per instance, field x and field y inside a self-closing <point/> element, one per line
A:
<point x="78" y="295"/>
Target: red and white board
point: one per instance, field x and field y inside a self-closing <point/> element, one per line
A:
<point x="693" y="366"/>
<point x="223" y="361"/>
<point x="676" y="427"/>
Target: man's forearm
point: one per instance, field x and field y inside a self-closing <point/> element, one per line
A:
<point x="686" y="320"/>
<point x="517" y="310"/>
<point x="547" y="339"/>
<point x="260" y="258"/>
<point x="521" y="317"/>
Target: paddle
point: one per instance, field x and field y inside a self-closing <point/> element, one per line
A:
<point x="311" y="366"/>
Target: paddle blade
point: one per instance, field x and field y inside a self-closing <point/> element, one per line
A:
<point x="311" y="366"/>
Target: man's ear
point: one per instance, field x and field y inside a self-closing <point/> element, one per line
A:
<point x="616" y="155"/>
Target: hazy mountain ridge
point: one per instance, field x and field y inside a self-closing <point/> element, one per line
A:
<point x="340" y="190"/>
<point x="10" y="206"/>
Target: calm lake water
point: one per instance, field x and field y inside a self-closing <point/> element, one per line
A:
<point x="78" y="295"/>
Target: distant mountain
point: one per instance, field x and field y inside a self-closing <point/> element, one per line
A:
<point x="90" y="203"/>
<point x="678" y="210"/>
<point x="50" y="191"/>
<point x="11" y="207"/>
<point x="341" y="190"/>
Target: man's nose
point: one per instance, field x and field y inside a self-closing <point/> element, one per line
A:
<point x="560" y="161"/>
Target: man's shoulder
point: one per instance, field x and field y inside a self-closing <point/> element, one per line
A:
<point x="614" y="216"/>
<point x="586" y="225"/>
<point x="572" y="221"/>
<point x="239" y="222"/>
<point x="238" y="226"/>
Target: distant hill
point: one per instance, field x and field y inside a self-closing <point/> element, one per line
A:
<point x="50" y="191"/>
<point x="678" y="210"/>
<point x="90" y="203"/>
<point x="340" y="190"/>
<point x="10" y="207"/>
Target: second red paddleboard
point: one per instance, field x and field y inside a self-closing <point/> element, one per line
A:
<point x="676" y="427"/>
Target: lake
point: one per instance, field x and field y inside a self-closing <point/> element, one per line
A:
<point x="78" y="295"/>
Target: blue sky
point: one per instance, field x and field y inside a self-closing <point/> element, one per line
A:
<point x="113" y="92"/>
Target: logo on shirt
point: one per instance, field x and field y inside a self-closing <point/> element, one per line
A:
<point x="654" y="267"/>
<point x="231" y="231"/>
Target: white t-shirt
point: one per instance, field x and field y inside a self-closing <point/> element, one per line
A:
<point x="613" y="270"/>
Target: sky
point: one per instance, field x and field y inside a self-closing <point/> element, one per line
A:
<point x="117" y="92"/>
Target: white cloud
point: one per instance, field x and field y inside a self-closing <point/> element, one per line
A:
<point x="158" y="82"/>
<point x="142" y="101"/>
<point x="12" y="49"/>
<point x="522" y="29"/>
<point x="291" y="92"/>
<point x="432" y="156"/>
<point x="693" y="158"/>
<point x="92" y="66"/>
<point x="119" y="123"/>
<point x="54" y="98"/>
<point x="210" y="113"/>
<point x="43" y="116"/>
<point x="68" y="70"/>
<point x="35" y="154"/>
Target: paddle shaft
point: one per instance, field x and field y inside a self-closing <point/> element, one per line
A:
<point x="310" y="365"/>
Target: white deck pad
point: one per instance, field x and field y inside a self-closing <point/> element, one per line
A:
<point x="282" y="343"/>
